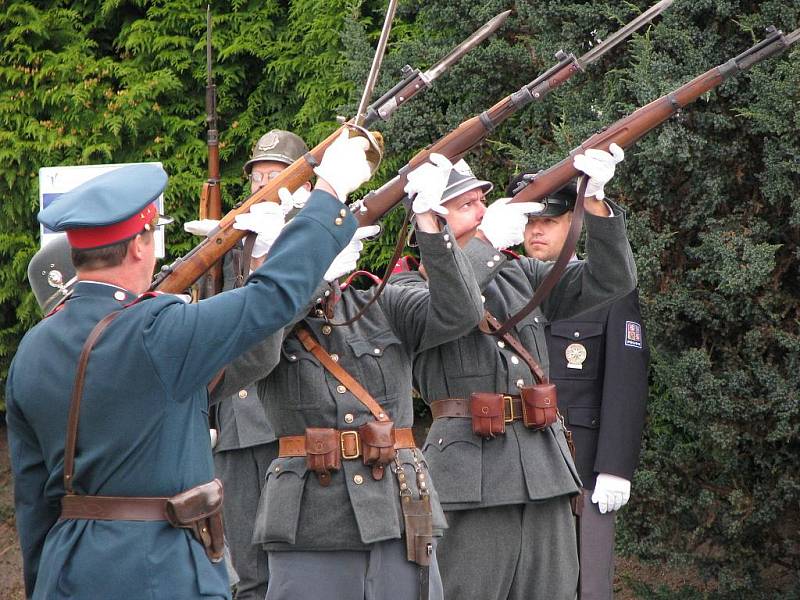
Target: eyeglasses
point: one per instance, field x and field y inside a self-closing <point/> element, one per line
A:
<point x="258" y="176"/>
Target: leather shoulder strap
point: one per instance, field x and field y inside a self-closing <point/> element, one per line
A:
<point x="311" y="345"/>
<point x="567" y="250"/>
<point x="490" y="325"/>
<point x="77" y="394"/>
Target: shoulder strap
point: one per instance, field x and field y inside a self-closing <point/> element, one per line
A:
<point x="311" y="345"/>
<point x="567" y="250"/>
<point x="77" y="393"/>
<point x="490" y="325"/>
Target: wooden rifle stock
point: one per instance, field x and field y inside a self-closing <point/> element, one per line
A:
<point x="629" y="130"/>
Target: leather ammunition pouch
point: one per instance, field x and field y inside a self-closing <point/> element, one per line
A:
<point x="200" y="509"/>
<point x="488" y="414"/>
<point x="377" y="442"/>
<point x="323" y="453"/>
<point x="418" y="519"/>
<point x="539" y="405"/>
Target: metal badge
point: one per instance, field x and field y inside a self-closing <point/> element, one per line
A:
<point x="270" y="142"/>
<point x="576" y="355"/>
<point x="55" y="278"/>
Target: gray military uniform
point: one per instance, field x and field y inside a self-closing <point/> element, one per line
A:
<point x="355" y="513"/>
<point x="513" y="488"/>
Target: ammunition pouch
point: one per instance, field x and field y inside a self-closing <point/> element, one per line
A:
<point x="323" y="453"/>
<point x="539" y="405"/>
<point x="200" y="509"/>
<point x="488" y="414"/>
<point x="377" y="442"/>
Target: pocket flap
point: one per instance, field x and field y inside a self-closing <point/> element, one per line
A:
<point x="195" y="503"/>
<point x="584" y="416"/>
<point x="576" y="330"/>
<point x="374" y="345"/>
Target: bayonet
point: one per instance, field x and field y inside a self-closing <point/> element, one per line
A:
<point x="374" y="70"/>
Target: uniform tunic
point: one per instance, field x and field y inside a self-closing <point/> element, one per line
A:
<point x="143" y="428"/>
<point x="354" y="511"/>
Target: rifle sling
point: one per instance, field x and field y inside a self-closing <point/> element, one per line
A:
<point x="567" y="250"/>
<point x="490" y="325"/>
<point x="362" y="395"/>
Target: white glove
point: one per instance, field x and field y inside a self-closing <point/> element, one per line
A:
<point x="290" y="200"/>
<point x="504" y="223"/>
<point x="267" y="220"/>
<point x="214" y="436"/>
<point x="611" y="492"/>
<point x="427" y="183"/>
<point x="201" y="227"/>
<point x="347" y="259"/>
<point x="599" y="165"/>
<point x="344" y="165"/>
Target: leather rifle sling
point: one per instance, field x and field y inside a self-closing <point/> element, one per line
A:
<point x="311" y="345"/>
<point x="567" y="250"/>
<point x="77" y="394"/>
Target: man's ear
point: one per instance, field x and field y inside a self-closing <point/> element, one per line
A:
<point x="136" y="247"/>
<point x="307" y="185"/>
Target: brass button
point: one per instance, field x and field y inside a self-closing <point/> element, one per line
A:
<point x="446" y="237"/>
<point x="277" y="469"/>
<point x="119" y="295"/>
<point x="515" y="360"/>
<point x="326" y="329"/>
<point x="242" y="394"/>
<point x="293" y="357"/>
<point x="338" y="220"/>
<point x="348" y="418"/>
<point x="358" y="479"/>
<point x="319" y="312"/>
<point x="341" y="389"/>
<point x="342" y="212"/>
<point x="335" y="357"/>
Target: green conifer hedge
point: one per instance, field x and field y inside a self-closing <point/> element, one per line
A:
<point x="714" y="211"/>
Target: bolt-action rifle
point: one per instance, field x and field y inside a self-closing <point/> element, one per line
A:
<point x="211" y="195"/>
<point x="475" y="130"/>
<point x="185" y="271"/>
<point x="625" y="133"/>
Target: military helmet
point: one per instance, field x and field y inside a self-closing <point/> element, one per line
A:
<point x="278" y="145"/>
<point x="51" y="273"/>
<point x="461" y="180"/>
<point x="555" y="204"/>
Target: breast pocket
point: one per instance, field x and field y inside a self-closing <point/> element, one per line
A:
<point x="298" y="376"/>
<point x="381" y="361"/>
<point x="576" y="350"/>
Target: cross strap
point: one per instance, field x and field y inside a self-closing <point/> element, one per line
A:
<point x="77" y="394"/>
<point x="311" y="345"/>
<point x="491" y="326"/>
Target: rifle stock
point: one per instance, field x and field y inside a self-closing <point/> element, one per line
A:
<point x="629" y="130"/>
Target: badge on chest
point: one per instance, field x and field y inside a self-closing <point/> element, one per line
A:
<point x="576" y="356"/>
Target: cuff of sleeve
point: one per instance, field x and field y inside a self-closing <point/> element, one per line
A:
<point x="436" y="244"/>
<point x="325" y="209"/>
<point x="611" y="224"/>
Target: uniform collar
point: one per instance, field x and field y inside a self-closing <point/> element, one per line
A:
<point x="98" y="289"/>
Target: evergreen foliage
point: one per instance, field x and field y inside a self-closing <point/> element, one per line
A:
<point x="714" y="215"/>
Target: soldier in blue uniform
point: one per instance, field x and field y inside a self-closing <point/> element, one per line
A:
<point x="506" y="491"/>
<point x="143" y="430"/>
<point x="599" y="362"/>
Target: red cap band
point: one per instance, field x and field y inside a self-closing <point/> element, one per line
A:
<point x="96" y="237"/>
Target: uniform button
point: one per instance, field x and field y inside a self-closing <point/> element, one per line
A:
<point x="490" y="263"/>
<point x="440" y="441"/>
<point x="335" y="357"/>
<point x="449" y="245"/>
<point x="520" y="383"/>
<point x="338" y="220"/>
<point x="341" y="389"/>
<point x="119" y="295"/>
<point x="343" y="213"/>
<point x="319" y="312"/>
<point x="277" y="469"/>
<point x="381" y="415"/>
<point x="242" y="393"/>
<point x="293" y="357"/>
<point x="515" y="360"/>
<point x="446" y="237"/>
<point x="577" y="334"/>
<point x="594" y="421"/>
<point x="326" y="329"/>
<point x="358" y="479"/>
<point x="376" y="351"/>
<point x="327" y="293"/>
<point x="535" y="319"/>
<point x="348" y="418"/>
<point x="501" y="344"/>
<point x="483" y="298"/>
<point x="496" y="257"/>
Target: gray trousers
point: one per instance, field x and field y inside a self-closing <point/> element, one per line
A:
<point x="514" y="552"/>
<point x="382" y="573"/>
<point x="242" y="472"/>
<point x="597" y="551"/>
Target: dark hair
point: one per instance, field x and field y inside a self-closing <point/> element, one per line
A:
<point x="90" y="259"/>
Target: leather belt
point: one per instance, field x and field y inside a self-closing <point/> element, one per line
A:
<point x="113" y="508"/>
<point x="459" y="407"/>
<point x="349" y="443"/>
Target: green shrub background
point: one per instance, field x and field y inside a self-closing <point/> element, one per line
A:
<point x="714" y="208"/>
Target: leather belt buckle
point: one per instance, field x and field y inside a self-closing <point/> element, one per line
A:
<point x="342" y="442"/>
<point x="509" y="412"/>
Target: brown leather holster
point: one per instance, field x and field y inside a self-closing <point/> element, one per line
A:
<point x="200" y="509"/>
<point x="488" y="414"/>
<point x="539" y="405"/>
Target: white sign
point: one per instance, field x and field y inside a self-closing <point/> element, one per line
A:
<point x="54" y="181"/>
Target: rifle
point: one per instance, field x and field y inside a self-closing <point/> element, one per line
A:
<point x="211" y="195"/>
<point x="475" y="130"/>
<point x="625" y="133"/>
<point x="185" y="271"/>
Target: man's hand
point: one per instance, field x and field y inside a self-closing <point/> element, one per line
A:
<point x="267" y="220"/>
<point x="427" y="183"/>
<point x="347" y="259"/>
<point x="611" y="492"/>
<point x="599" y="166"/>
<point x="503" y="223"/>
<point x="344" y="165"/>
